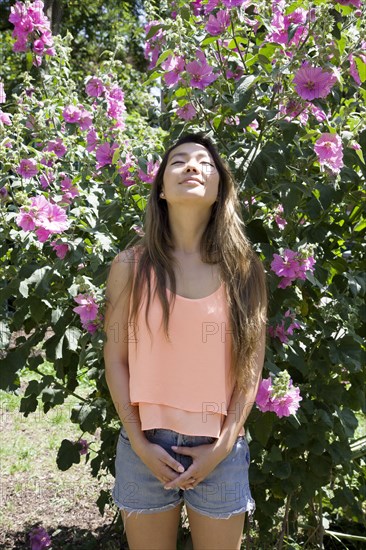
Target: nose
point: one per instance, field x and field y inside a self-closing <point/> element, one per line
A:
<point x="191" y="166"/>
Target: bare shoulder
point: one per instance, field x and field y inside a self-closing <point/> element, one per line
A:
<point x="120" y="275"/>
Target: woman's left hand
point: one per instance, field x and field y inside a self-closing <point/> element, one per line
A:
<point x="205" y="458"/>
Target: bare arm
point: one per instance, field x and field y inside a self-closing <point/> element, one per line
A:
<point x="118" y="294"/>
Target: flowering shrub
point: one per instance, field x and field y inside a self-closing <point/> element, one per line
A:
<point x="281" y="88"/>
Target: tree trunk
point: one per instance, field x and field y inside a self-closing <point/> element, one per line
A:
<point x="53" y="9"/>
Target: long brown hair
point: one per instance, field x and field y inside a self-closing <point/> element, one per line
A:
<point x="223" y="242"/>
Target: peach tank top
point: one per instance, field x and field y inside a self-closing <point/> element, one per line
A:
<point x="185" y="384"/>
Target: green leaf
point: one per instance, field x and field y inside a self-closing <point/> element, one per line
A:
<point x="90" y="415"/>
<point x="153" y="30"/>
<point x="262" y="427"/>
<point x="282" y="470"/>
<point x="28" y="404"/>
<point x="243" y="93"/>
<point x="361" y="67"/>
<point x="164" y="56"/>
<point x="14" y="361"/>
<point x="68" y="454"/>
<point x="72" y="336"/>
<point x="210" y="40"/>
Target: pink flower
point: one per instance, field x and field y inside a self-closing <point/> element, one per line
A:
<point x="297" y="17"/>
<point x="115" y="92"/>
<point x="2" y="93"/>
<point x="234" y="3"/>
<point x="47" y="217"/>
<point x="202" y="75"/>
<point x="263" y="399"/>
<point x="60" y="249"/>
<point x="104" y="154"/>
<point x="38" y="47"/>
<point x="86" y="120"/>
<point x="152" y="169"/>
<point x="92" y="140"/>
<point x="196" y="6"/>
<point x="219" y="24"/>
<point x="27" y="168"/>
<point x="39" y="539"/>
<point x="17" y="12"/>
<point x="83" y="446"/>
<point x="280" y="331"/>
<point x="293" y="265"/>
<point x="281" y="222"/>
<point x="211" y="5"/>
<point x="278" y="396"/>
<point x="330" y="152"/>
<point x="55" y="221"/>
<point x="187" y="112"/>
<point x="318" y="113"/>
<point x="174" y="66"/>
<point x="71" y="114"/>
<point x="286" y="266"/>
<point x="28" y="217"/>
<point x="87" y="309"/>
<point x="116" y="105"/>
<point x="94" y="87"/>
<point x="5" y="118"/>
<point x="353" y="70"/>
<point x="356" y="3"/>
<point x="295" y="109"/>
<point x="288" y="404"/>
<point x="70" y="191"/>
<point x="46" y="178"/>
<point x="125" y="170"/>
<point x="20" y="45"/>
<point x="57" y="147"/>
<point x="4" y="193"/>
<point x="313" y="82"/>
<point x="281" y="23"/>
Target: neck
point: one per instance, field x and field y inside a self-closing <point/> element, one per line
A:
<point x="187" y="226"/>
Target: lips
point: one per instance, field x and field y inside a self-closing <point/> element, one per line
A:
<point x="196" y="180"/>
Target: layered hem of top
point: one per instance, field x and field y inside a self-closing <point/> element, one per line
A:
<point x="205" y="423"/>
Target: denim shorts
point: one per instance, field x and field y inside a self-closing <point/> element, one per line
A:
<point x="223" y="493"/>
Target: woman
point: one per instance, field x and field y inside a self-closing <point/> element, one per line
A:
<point x="185" y="327"/>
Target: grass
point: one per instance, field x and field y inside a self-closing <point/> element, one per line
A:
<point x="34" y="490"/>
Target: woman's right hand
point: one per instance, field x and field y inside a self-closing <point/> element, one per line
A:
<point x="159" y="461"/>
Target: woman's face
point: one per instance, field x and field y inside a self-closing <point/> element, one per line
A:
<point x="190" y="176"/>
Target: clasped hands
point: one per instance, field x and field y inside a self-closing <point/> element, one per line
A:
<point x="170" y="472"/>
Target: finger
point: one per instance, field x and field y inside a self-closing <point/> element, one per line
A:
<point x="180" y="481"/>
<point x="184" y="450"/>
<point x="173" y="464"/>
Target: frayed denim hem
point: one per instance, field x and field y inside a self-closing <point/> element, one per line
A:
<point x="130" y="511"/>
<point x="250" y="507"/>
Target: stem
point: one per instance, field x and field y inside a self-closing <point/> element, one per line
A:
<point x="223" y="69"/>
<point x="62" y="387"/>
<point x="259" y="139"/>
<point x="236" y="43"/>
<point x="218" y="137"/>
<point x="284" y="523"/>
